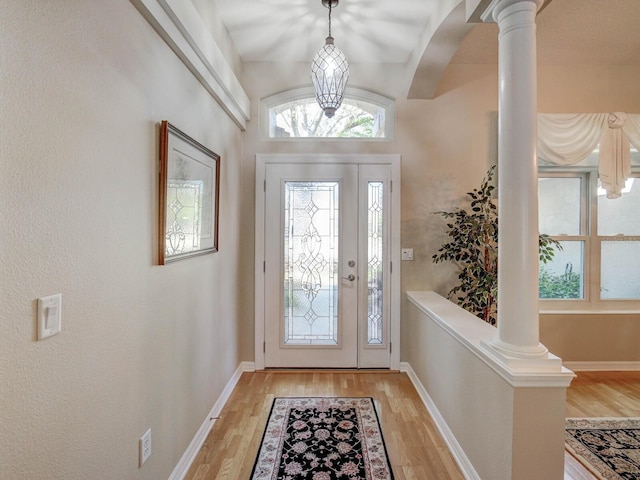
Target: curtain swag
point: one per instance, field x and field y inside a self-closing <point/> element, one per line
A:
<point x="568" y="138"/>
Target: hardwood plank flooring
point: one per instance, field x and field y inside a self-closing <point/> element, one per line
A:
<point x="416" y="449"/>
<point x="604" y="394"/>
<point x="600" y="394"/>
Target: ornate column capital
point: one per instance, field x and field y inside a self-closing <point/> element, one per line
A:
<point x="496" y="7"/>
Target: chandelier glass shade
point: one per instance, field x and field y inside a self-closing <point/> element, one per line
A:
<point x="329" y="72"/>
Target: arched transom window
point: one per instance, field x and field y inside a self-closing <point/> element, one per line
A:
<point x="295" y="114"/>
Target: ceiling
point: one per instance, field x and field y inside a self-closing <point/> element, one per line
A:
<point x="367" y="31"/>
<point x="570" y="32"/>
<point x="387" y="31"/>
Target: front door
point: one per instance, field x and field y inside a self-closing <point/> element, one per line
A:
<point x="326" y="259"/>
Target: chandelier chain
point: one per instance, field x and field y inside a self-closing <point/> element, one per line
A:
<point x="330" y="18"/>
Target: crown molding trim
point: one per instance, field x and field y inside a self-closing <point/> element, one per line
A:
<point x="179" y="24"/>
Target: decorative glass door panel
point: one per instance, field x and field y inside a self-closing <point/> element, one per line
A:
<point x="311" y="252"/>
<point x="326" y="300"/>
<point x="374" y="312"/>
<point x="375" y="262"/>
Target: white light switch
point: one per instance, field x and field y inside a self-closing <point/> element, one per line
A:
<point x="407" y="254"/>
<point x="49" y="315"/>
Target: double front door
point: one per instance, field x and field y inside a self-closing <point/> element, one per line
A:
<point x="327" y="265"/>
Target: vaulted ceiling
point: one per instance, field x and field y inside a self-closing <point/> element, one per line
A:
<point x="426" y="35"/>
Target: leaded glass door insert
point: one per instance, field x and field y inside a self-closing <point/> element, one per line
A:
<point x="311" y="252"/>
<point x="375" y="258"/>
<point x="374" y="305"/>
<point x="326" y="281"/>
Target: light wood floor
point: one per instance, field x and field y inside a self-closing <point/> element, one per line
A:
<point x="604" y="394"/>
<point x="416" y="450"/>
<point x="600" y="394"/>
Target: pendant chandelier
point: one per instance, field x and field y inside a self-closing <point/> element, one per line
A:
<point x="329" y="72"/>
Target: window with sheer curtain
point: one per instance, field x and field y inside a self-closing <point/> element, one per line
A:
<point x="589" y="200"/>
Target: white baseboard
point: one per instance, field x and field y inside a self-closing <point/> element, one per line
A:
<point x="454" y="447"/>
<point x="181" y="469"/>
<point x="602" y="366"/>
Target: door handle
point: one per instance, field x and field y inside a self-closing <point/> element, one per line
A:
<point x="351" y="277"/>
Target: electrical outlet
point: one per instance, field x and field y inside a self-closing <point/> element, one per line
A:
<point x="145" y="447"/>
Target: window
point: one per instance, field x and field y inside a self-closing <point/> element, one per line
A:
<point x="598" y="267"/>
<point x="562" y="208"/>
<point x="295" y="114"/>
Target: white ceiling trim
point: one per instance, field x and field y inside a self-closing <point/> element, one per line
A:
<point x="180" y="25"/>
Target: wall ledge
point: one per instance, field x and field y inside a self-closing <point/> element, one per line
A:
<point x="181" y="27"/>
<point x="478" y="336"/>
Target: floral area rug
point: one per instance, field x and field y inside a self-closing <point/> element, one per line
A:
<point x="608" y="447"/>
<point x="322" y="439"/>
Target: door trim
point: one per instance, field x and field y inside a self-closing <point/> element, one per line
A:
<point x="262" y="160"/>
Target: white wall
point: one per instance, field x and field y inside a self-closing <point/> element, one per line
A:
<point x="83" y="87"/>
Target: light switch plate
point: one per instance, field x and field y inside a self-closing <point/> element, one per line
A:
<point x="49" y="316"/>
<point x="407" y="254"/>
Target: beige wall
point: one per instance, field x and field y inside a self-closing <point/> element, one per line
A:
<point x="472" y="400"/>
<point x="447" y="144"/>
<point x="581" y="88"/>
<point x="83" y="86"/>
<point x="563" y="88"/>
<point x="592" y="338"/>
<point x="506" y="429"/>
<point x="261" y="80"/>
<point x="439" y="141"/>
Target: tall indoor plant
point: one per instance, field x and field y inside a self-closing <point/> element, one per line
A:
<point x="473" y="246"/>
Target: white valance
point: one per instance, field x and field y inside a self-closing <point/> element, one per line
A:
<point x="568" y="138"/>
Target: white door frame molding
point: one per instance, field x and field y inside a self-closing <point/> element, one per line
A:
<point x="262" y="160"/>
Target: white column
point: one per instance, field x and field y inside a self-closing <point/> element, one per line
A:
<point x="518" y="314"/>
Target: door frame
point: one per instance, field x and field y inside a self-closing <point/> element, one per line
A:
<point x="262" y="160"/>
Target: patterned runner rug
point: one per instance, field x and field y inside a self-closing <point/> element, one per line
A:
<point x="322" y="439"/>
<point x="608" y="447"/>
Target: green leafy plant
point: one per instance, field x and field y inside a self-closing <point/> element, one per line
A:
<point x="566" y="285"/>
<point x="473" y="247"/>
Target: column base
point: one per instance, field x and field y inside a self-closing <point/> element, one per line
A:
<point x="522" y="359"/>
